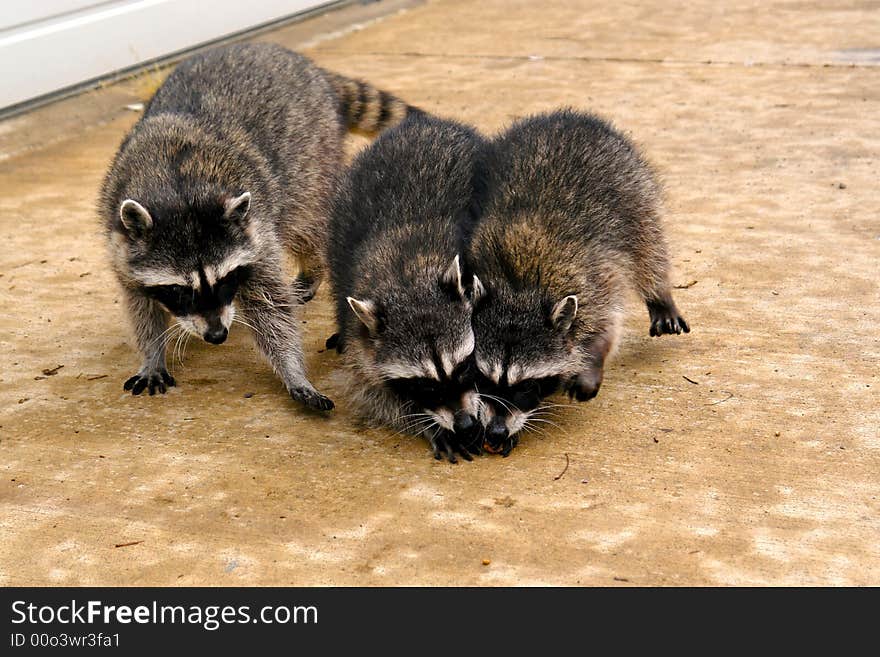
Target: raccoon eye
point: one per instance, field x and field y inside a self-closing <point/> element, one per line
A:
<point x="528" y="394"/>
<point x="181" y="292"/>
<point x="483" y="382"/>
<point x="426" y="392"/>
<point x="177" y="298"/>
<point x="227" y="286"/>
<point x="465" y="373"/>
<point x="526" y="401"/>
<point x="548" y="385"/>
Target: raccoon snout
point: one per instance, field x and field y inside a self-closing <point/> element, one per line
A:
<point x="496" y="434"/>
<point x="216" y="334"/>
<point x="464" y="423"/>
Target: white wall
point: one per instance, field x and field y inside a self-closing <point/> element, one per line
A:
<point x="47" y="45"/>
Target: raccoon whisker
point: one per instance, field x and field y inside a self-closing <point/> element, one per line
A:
<point x="411" y="425"/>
<point x="177" y="338"/>
<point x="418" y="427"/>
<point x="545" y="409"/>
<point x="183" y="349"/>
<point x="236" y="320"/>
<point x="531" y="419"/>
<point x="174" y="336"/>
<point x="538" y="419"/>
<point x="402" y="417"/>
<point x="414" y="423"/>
<point x="266" y="299"/>
<point x="540" y="413"/>
<point x="533" y="429"/>
<point x="433" y="424"/>
<point x="503" y="402"/>
<point x="412" y="415"/>
<point x="163" y="335"/>
<point x="177" y="346"/>
<point x="543" y="406"/>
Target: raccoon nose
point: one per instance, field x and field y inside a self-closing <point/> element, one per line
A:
<point x="496" y="432"/>
<point x="464" y="423"/>
<point x="216" y="335"/>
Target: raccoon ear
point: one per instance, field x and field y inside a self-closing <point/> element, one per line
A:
<point x="366" y="312"/>
<point x="135" y="218"/>
<point x="564" y="312"/>
<point x="236" y="209"/>
<point x="478" y="291"/>
<point x="452" y="278"/>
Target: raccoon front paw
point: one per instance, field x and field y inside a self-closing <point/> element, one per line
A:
<point x="472" y="444"/>
<point x="152" y="381"/>
<point x="665" y="320"/>
<point x="446" y="443"/>
<point x="585" y="385"/>
<point x="311" y="398"/>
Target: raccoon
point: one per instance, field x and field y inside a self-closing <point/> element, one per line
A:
<point x="233" y="163"/>
<point x="573" y="219"/>
<point x="403" y="298"/>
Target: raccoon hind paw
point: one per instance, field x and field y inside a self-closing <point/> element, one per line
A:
<point x="153" y="381"/>
<point x="311" y="398"/>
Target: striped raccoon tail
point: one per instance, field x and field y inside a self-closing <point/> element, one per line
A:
<point x="365" y="108"/>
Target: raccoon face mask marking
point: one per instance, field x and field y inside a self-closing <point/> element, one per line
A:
<point x="523" y="355"/>
<point x="421" y="347"/>
<point x="206" y="311"/>
<point x="519" y="337"/>
<point x="201" y="295"/>
<point x="450" y="401"/>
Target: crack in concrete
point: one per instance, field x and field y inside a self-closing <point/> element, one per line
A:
<point x="605" y="60"/>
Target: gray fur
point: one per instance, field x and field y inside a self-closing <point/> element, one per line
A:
<point x="245" y="119"/>
<point x="402" y="297"/>
<point x="573" y="219"/>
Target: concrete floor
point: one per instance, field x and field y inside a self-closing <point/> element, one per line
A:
<point x="765" y="469"/>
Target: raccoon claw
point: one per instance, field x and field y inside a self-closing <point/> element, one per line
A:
<point x="152" y="381"/>
<point x="311" y="398"/>
<point x="474" y="447"/>
<point x="585" y="385"/>
<point x="667" y="321"/>
<point x="444" y="443"/>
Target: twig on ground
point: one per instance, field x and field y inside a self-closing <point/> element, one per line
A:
<point x="721" y="401"/>
<point x="564" y="470"/>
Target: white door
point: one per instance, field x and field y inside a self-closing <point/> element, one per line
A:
<point x="48" y="45"/>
